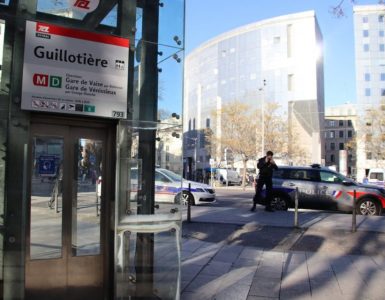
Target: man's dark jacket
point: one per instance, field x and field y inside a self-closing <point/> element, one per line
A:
<point x="266" y="168"/>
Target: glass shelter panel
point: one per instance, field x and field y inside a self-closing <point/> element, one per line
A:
<point x="46" y="198"/>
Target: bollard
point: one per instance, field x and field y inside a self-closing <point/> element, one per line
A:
<point x="354" y="213"/>
<point x="189" y="204"/>
<point x="296" y="208"/>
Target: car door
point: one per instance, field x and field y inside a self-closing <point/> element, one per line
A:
<point x="330" y="189"/>
<point x="303" y="180"/>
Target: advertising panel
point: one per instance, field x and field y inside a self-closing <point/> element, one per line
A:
<point x="73" y="71"/>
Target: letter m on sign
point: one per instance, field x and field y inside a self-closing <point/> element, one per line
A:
<point x="40" y="79"/>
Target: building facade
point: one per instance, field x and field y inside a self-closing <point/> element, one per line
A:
<point x="369" y="34"/>
<point x="278" y="60"/>
<point x="340" y="122"/>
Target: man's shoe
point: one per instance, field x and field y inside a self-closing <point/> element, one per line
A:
<point x="269" y="209"/>
<point x="253" y="208"/>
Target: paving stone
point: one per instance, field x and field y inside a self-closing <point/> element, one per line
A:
<point x="238" y="276"/>
<point x="204" y="285"/>
<point x="251" y="253"/>
<point x="261" y="298"/>
<point x="244" y="262"/>
<point x="228" y="253"/>
<point x="269" y="272"/>
<point x="234" y="292"/>
<point x="192" y="245"/>
<point x="265" y="287"/>
<point x="216" y="268"/>
<point x="189" y="271"/>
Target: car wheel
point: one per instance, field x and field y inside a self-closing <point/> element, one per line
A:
<point x="368" y="207"/>
<point x="185" y="198"/>
<point x="279" y="202"/>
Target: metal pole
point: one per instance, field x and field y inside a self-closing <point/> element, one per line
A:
<point x="57" y="196"/>
<point x="296" y="208"/>
<point x="195" y="159"/>
<point x="354" y="213"/>
<point x="189" y="204"/>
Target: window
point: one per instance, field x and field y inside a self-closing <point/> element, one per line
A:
<point x="382" y="47"/>
<point x="365" y="33"/>
<point x="350" y="123"/>
<point x="299" y="174"/>
<point x="377" y="175"/>
<point x="332" y="158"/>
<point x="367" y="77"/>
<point x="367" y="92"/>
<point x="290" y="82"/>
<point x="208" y="123"/>
<point x="382" y="92"/>
<point x="365" y="19"/>
<point x="341" y="134"/>
<point x="381" y="33"/>
<point x="341" y="123"/>
<point x="366" y="47"/>
<point x="330" y="177"/>
<point x="277" y="39"/>
<point x="350" y="134"/>
<point x="331" y="134"/>
<point x="369" y="155"/>
<point x="341" y="146"/>
<point x="332" y="123"/>
<point x="382" y="76"/>
<point x="381" y="18"/>
<point x="332" y="146"/>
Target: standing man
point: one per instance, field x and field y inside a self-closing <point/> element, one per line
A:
<point x="266" y="166"/>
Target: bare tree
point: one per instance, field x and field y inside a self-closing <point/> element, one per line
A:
<point x="241" y="132"/>
<point x="339" y="11"/>
<point x="372" y="129"/>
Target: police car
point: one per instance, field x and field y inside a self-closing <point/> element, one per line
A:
<point x="172" y="188"/>
<point x="322" y="188"/>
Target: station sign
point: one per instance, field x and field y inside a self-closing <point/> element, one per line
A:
<point x="73" y="71"/>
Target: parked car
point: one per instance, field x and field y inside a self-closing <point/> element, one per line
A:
<point x="172" y="188"/>
<point x="322" y="188"/>
<point x="228" y="177"/>
<point x="377" y="176"/>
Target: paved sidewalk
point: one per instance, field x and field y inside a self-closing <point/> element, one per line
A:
<point x="231" y="253"/>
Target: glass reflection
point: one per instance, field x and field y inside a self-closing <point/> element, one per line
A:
<point x="46" y="186"/>
<point x="86" y="206"/>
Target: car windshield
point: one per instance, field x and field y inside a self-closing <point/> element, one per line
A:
<point x="172" y="175"/>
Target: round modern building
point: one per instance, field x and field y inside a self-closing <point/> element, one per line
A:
<point x="275" y="60"/>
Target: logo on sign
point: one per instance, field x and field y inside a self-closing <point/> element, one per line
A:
<point x="42" y="28"/>
<point x="45" y="80"/>
<point x="85" y="5"/>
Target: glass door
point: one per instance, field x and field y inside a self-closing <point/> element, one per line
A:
<point x="65" y="245"/>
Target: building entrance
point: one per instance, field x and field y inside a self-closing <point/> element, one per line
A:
<point x="66" y="246"/>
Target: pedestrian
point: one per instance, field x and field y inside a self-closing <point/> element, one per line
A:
<point x="266" y="166"/>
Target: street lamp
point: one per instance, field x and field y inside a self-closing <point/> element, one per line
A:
<point x="263" y="117"/>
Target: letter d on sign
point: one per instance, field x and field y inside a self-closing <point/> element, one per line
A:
<point x="55" y="81"/>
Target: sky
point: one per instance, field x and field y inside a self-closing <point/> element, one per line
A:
<point x="205" y="19"/>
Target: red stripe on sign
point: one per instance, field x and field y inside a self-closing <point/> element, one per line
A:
<point x="82" y="35"/>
